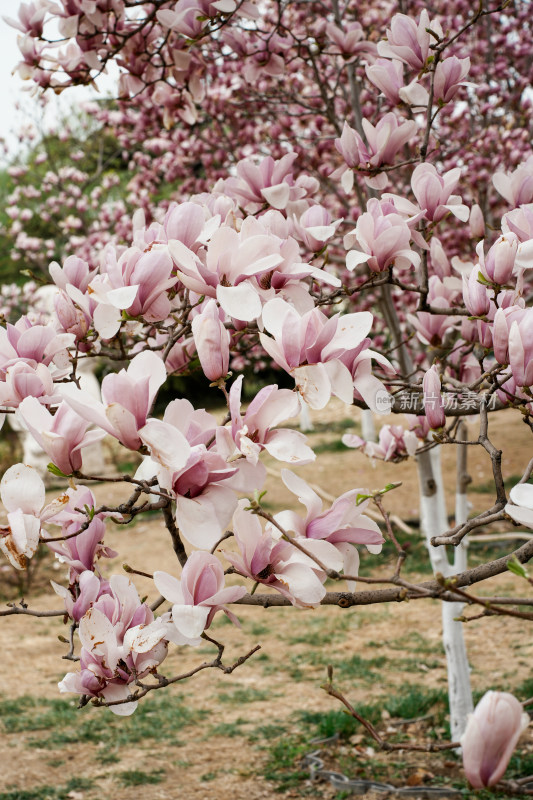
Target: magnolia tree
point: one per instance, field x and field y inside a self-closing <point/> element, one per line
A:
<point x="354" y="207"/>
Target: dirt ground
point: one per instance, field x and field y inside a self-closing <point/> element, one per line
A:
<point x="224" y="752"/>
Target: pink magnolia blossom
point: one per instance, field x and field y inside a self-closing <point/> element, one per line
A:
<point x="433" y="403"/>
<point x="516" y="187"/>
<point x="410" y="42"/>
<point x="520" y="222"/>
<point x="387" y="75"/>
<point x="22" y="380"/>
<point x="490" y="738"/>
<point x="434" y="192"/>
<point x="33" y="344"/>
<point x="477" y="222"/>
<point x="197" y="597"/>
<point x="74" y="272"/>
<point x="80" y="552"/>
<point x="315" y="227"/>
<point x="136" y="282"/>
<point x="504" y="319"/>
<point x="199" y="478"/>
<point x="212" y="341"/>
<point x="449" y="76"/>
<point x="383" y="238"/>
<point x="30" y="18"/>
<point x="121" y="642"/>
<point x="269" y="182"/>
<point x="343" y="525"/>
<point x="62" y="436"/>
<point x="475" y="295"/>
<point x="521" y="349"/>
<point x="254" y="432"/>
<point x="127" y="398"/>
<point x="81" y="594"/>
<point x="499" y="264"/>
<point x="394" y="443"/>
<point x="383" y="143"/>
<point x="276" y="564"/>
<point x="23" y="495"/>
<point x="323" y="355"/>
<point x="349" y="39"/>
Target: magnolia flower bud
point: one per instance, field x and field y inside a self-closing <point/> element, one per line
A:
<point x="475" y="295"/>
<point x="499" y="262"/>
<point x="490" y="737"/>
<point x="212" y="342"/>
<point x="477" y="222"/>
<point x="433" y="404"/>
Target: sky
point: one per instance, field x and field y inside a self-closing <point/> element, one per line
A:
<point x="13" y="90"/>
<point x="10" y="86"/>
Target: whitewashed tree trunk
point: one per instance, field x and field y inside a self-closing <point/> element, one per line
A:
<point x="434" y="522"/>
<point x="368" y="428"/>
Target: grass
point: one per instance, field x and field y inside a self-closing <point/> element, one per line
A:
<point x="47" y="792"/>
<point x="245" y="695"/>
<point x="137" y="777"/>
<point x="157" y="718"/>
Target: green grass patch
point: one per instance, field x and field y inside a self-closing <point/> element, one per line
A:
<point x="230" y="729"/>
<point x="137" y="777"/>
<point x="156" y="718"/>
<point x="282" y="767"/>
<point x="244" y="694"/>
<point x="333" y="446"/>
<point x="47" y="792"/>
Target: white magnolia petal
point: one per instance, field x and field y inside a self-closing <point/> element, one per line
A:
<point x="277" y="196"/>
<point x="240" y="302"/>
<point x="168" y="586"/>
<point x="522" y="495"/>
<point x="287" y="445"/>
<point x="96" y="632"/>
<point x="114" y="692"/>
<point x="21" y="487"/>
<point x="307" y="496"/>
<point x="167" y="444"/>
<point x="190" y="620"/>
<point x="143" y="638"/>
<point x="524" y="516"/>
<point x="106" y="319"/>
<point x="302" y="583"/>
<point x="313" y="384"/>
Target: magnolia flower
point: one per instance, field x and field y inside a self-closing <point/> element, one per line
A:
<point x="410" y="42"/>
<point x="498" y="265"/>
<point x="212" y="341"/>
<point x="383" y="238"/>
<point x="254" y="432"/>
<point x="278" y="564"/>
<point x="61" y="436"/>
<point x="127" y="399"/>
<point x="121" y="642"/>
<point x="433" y="404"/>
<point x="339" y="528"/>
<point x="22" y="492"/>
<point x="395" y="443"/>
<point x="516" y="187"/>
<point x="522" y="509"/>
<point x="197" y="597"/>
<point x="491" y="734"/>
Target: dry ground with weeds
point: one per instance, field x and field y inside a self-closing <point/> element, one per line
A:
<point x="240" y="736"/>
